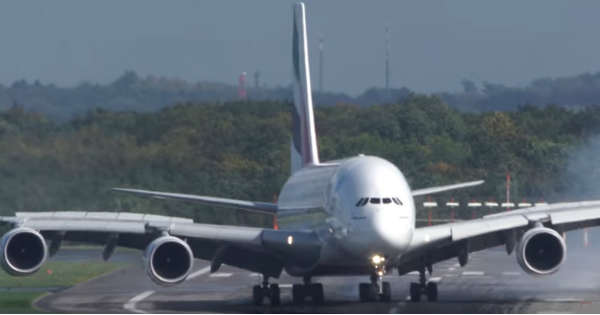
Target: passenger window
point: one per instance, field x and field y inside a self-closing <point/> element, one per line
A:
<point x="387" y="200"/>
<point x="364" y="202"/>
<point x="375" y="200"/>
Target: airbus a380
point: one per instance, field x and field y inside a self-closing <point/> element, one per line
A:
<point x="354" y="216"/>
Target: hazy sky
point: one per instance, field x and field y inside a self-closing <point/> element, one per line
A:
<point x="434" y="44"/>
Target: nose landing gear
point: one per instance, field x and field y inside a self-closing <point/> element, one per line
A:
<point x="429" y="289"/>
<point x="377" y="289"/>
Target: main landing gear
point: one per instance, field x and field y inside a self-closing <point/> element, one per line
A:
<point x="429" y="289"/>
<point x="259" y="292"/>
<point x="313" y="290"/>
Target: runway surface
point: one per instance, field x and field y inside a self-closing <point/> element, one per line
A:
<point x="492" y="282"/>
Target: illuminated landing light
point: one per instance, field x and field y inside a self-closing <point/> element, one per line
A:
<point x="377" y="260"/>
<point x="290" y="240"/>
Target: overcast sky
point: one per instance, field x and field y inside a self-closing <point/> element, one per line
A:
<point x="434" y="44"/>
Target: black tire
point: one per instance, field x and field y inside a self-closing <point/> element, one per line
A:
<point x="432" y="291"/>
<point x="316" y="293"/>
<point x="415" y="292"/>
<point x="257" y="295"/>
<point x="275" y="295"/>
<point x="298" y="294"/>
<point x="363" y="291"/>
<point x="386" y="294"/>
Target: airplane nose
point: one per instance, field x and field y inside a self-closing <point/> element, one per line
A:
<point x="393" y="229"/>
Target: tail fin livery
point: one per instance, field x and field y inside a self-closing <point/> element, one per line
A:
<point x="304" y="142"/>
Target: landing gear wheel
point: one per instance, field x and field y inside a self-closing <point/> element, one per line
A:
<point x="298" y="293"/>
<point x="274" y="295"/>
<point x="415" y="292"/>
<point x="431" y="291"/>
<point x="363" y="291"/>
<point x="386" y="294"/>
<point x="367" y="292"/>
<point x="257" y="295"/>
<point x="316" y="293"/>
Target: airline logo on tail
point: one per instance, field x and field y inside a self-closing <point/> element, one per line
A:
<point x="304" y="139"/>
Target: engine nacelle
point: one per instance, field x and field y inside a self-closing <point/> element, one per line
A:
<point x="168" y="260"/>
<point x="24" y="251"/>
<point x="541" y="251"/>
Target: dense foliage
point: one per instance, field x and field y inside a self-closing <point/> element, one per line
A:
<point x="241" y="150"/>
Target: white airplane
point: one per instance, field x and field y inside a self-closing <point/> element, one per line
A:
<point x="354" y="216"/>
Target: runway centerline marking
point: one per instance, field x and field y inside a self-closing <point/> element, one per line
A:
<point x="198" y="273"/>
<point x="413" y="273"/>
<point x="435" y="279"/>
<point x="130" y="305"/>
<point x="221" y="275"/>
<point x="473" y="273"/>
<point x="285" y="285"/>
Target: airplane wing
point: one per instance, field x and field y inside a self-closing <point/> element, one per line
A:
<point x="445" y="241"/>
<point x="261" y="250"/>
<point x="437" y="189"/>
<point x="253" y="206"/>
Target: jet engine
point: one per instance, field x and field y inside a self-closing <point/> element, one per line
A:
<point x="24" y="251"/>
<point x="168" y="260"/>
<point x="541" y="251"/>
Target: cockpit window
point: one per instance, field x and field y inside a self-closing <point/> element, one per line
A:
<point x="385" y="200"/>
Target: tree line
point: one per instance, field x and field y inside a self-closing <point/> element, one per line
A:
<point x="241" y="150"/>
<point x="130" y="92"/>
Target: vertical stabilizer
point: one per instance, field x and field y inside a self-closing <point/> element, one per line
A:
<point x="304" y="142"/>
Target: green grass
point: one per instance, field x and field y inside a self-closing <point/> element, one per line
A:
<point x="52" y="274"/>
<point x="57" y="274"/>
<point x="18" y="302"/>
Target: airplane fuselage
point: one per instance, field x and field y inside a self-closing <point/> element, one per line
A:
<point x="359" y="207"/>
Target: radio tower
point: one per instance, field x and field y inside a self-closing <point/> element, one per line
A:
<point x="242" y="86"/>
<point x="256" y="79"/>
<point x="387" y="60"/>
<point x="320" y="63"/>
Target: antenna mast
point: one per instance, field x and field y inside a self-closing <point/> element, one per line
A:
<point x="387" y="60"/>
<point x="320" y="63"/>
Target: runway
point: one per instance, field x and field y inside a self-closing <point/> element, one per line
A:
<point x="492" y="282"/>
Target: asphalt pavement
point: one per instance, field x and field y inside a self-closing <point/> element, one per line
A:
<point x="492" y="282"/>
